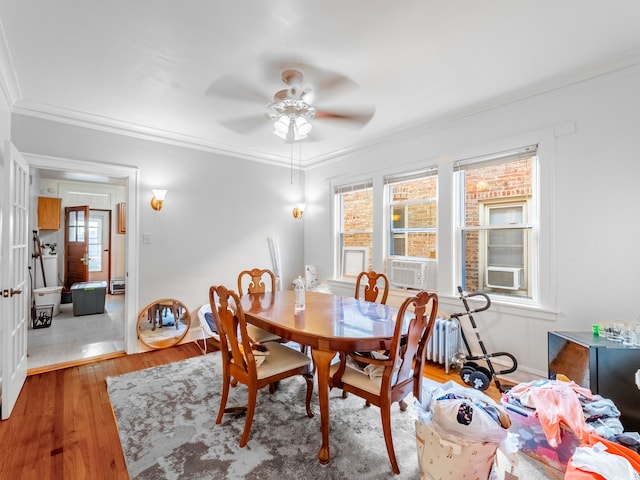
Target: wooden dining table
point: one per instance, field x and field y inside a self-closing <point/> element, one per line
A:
<point x="328" y="324"/>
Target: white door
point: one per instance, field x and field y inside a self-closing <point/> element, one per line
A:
<point x="15" y="287"/>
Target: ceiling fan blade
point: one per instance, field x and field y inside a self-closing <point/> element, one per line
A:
<point x="232" y="87"/>
<point x="245" y="124"/>
<point x="358" y="118"/>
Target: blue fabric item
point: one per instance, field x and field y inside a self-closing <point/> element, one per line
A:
<point x="212" y="323"/>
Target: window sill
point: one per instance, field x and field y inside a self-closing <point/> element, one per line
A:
<point x="452" y="303"/>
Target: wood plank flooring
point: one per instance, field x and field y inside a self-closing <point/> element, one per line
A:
<point x="62" y="426"/>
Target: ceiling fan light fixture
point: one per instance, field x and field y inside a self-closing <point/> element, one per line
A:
<point x="281" y="126"/>
<point x="302" y="126"/>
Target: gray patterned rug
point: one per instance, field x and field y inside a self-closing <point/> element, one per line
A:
<point x="166" y="418"/>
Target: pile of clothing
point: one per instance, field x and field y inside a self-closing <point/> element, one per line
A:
<point x="582" y="430"/>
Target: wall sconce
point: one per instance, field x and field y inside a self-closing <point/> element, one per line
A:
<point x="299" y="210"/>
<point x="158" y="199"/>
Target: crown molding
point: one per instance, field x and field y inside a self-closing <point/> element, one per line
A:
<point x="114" y="126"/>
<point x="12" y="92"/>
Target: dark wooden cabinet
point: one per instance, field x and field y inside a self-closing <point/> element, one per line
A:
<point x="605" y="367"/>
<point x="49" y="213"/>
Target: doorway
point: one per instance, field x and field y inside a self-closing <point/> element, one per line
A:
<point x="101" y="174"/>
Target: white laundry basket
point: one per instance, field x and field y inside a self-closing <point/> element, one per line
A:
<point x="48" y="296"/>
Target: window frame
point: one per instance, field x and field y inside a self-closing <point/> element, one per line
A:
<point x="340" y="232"/>
<point x="390" y="231"/>
<point x="529" y="225"/>
<point x="543" y="282"/>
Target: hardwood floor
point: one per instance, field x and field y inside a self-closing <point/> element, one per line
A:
<point x="62" y="426"/>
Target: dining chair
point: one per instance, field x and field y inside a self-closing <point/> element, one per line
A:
<point x="391" y="379"/>
<point x="376" y="289"/>
<point x="256" y="369"/>
<point x="374" y="282"/>
<point x="256" y="281"/>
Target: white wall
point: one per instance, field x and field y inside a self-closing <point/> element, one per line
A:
<point x="220" y="210"/>
<point x="216" y="219"/>
<point x="589" y="206"/>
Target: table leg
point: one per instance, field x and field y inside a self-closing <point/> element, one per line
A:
<point x="322" y="360"/>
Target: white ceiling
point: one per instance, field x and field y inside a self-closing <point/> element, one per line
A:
<point x="144" y="66"/>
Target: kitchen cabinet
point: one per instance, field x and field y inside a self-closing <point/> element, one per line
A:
<point x="49" y="213"/>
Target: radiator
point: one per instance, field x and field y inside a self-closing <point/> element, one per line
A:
<point x="444" y="342"/>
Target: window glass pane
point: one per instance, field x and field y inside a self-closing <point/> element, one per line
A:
<point x="420" y="244"/>
<point x="95" y="244"/>
<point x="357" y="223"/>
<point x="413" y="211"/>
<point x="506" y="248"/>
<point x="483" y="183"/>
<point x="72" y="227"/>
<point x="508" y="215"/>
<point x="80" y="227"/>
<point x="497" y="192"/>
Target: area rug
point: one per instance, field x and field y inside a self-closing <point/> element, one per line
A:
<point x="166" y="421"/>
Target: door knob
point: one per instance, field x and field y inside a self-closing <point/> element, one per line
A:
<point x="10" y="293"/>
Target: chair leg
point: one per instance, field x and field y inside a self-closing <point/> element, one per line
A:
<point x="251" y="408"/>
<point x="385" y="413"/>
<point x="345" y="394"/>
<point x="223" y="397"/>
<point x="309" y="378"/>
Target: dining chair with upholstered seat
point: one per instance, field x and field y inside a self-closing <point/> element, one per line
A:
<point x="258" y="281"/>
<point x="376" y="289"/>
<point x="256" y="369"/>
<point x="376" y="284"/>
<point x="391" y="379"/>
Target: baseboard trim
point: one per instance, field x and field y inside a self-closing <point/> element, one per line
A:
<point x="74" y="363"/>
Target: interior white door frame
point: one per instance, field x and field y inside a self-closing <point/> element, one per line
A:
<point x="14" y="248"/>
<point x="132" y="177"/>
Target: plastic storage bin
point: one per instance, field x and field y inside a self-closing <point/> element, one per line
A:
<point x="533" y="442"/>
<point x="88" y="297"/>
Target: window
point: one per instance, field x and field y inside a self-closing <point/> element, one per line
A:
<point x="497" y="222"/>
<point x="354" y="207"/>
<point x="95" y="244"/>
<point x="413" y="208"/>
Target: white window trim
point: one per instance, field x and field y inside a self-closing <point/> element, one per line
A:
<point x="543" y="280"/>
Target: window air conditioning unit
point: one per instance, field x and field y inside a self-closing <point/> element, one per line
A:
<point x="407" y="273"/>
<point x="504" y="277"/>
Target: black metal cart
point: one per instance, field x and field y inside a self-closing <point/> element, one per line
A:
<point x="473" y="373"/>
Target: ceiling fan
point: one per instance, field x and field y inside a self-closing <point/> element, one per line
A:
<point x="292" y="111"/>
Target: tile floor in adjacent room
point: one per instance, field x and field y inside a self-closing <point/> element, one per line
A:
<point x="72" y="338"/>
